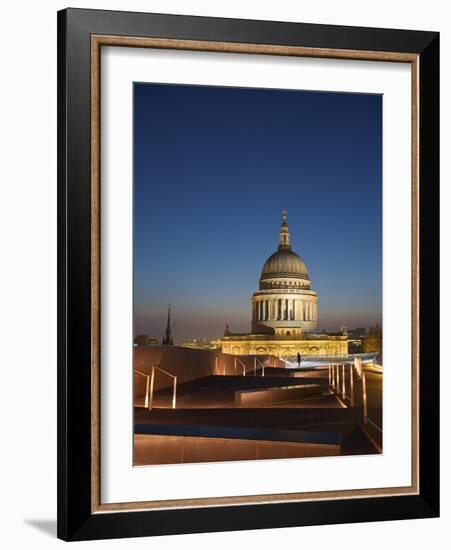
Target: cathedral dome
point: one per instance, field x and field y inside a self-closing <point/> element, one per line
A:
<point x="284" y="263"/>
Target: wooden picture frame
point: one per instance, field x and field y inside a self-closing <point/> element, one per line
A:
<point x="81" y="35"/>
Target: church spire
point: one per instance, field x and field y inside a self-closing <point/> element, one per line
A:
<point x="167" y="338"/>
<point x="284" y="234"/>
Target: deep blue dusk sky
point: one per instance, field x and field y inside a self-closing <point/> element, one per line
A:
<point x="214" y="167"/>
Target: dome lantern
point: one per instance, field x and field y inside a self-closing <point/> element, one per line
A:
<point x="284" y="263"/>
<point x="284" y="234"/>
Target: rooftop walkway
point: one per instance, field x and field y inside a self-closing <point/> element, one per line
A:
<point x="286" y="413"/>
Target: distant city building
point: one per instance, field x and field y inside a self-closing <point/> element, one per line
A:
<point x="355" y="339"/>
<point x="357" y="332"/>
<point x="196" y="343"/>
<point x="167" y="338"/>
<point x="145" y="340"/>
<point x="354" y="345"/>
<point x="372" y="342"/>
<point x="284" y="311"/>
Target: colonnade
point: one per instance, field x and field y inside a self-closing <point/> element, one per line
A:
<point x="285" y="309"/>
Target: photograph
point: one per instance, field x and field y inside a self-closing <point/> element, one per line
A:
<point x="257" y="274"/>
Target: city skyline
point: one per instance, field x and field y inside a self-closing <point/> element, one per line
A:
<point x="214" y="167"/>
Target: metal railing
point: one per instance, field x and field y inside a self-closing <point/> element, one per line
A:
<point x="147" y="377"/>
<point x="220" y="365"/>
<point x="337" y="383"/>
<point x="152" y="385"/>
<point x="262" y="365"/>
<point x="223" y="366"/>
<point x="341" y="358"/>
<point x="241" y="363"/>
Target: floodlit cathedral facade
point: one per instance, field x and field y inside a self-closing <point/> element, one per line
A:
<point x="284" y="311"/>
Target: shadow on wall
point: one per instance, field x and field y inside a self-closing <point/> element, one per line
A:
<point x="47" y="526"/>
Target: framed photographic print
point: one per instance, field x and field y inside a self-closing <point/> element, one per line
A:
<point x="248" y="274"/>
